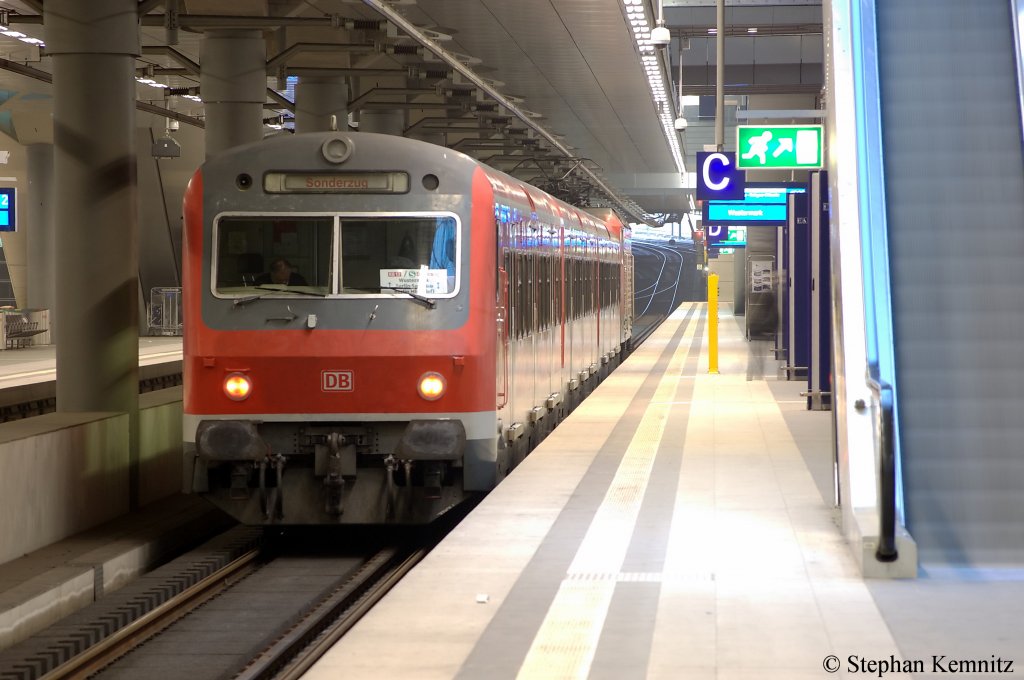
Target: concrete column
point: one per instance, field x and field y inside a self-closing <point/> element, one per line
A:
<point x="39" y="204"/>
<point x="317" y="99"/>
<point x="233" y="85"/>
<point x="391" y="122"/>
<point x="93" y="46"/>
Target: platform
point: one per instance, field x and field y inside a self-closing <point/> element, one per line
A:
<point x="37" y="364"/>
<point x="677" y="525"/>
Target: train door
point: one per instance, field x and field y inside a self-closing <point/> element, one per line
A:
<point x="503" y="313"/>
<point x="562" y="303"/>
<point x="533" y="306"/>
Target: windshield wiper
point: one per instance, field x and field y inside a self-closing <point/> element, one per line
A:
<point x="416" y="296"/>
<point x="292" y="291"/>
<point x="238" y="302"/>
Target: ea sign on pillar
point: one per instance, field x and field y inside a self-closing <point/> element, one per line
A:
<point x="718" y="178"/>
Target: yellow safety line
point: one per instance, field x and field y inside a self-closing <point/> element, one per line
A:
<point x="565" y="644"/>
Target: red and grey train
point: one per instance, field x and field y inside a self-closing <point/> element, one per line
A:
<point x="377" y="328"/>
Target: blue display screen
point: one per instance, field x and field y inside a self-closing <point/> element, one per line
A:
<point x="7" y="213"/>
<point x="742" y="213"/>
<point x="764" y="204"/>
<point x="726" y="237"/>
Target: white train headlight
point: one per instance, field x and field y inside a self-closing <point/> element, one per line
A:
<point x="237" y="386"/>
<point x="431" y="386"/>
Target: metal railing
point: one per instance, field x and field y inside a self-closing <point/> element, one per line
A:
<point x="885" y="446"/>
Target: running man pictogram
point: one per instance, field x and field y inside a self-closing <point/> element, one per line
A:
<point x="758" y="147"/>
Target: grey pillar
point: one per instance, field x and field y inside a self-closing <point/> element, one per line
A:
<point x="233" y="85"/>
<point x="317" y="99"/>
<point x="741" y="276"/>
<point x="390" y="122"/>
<point x="39" y="203"/>
<point x="93" y="46"/>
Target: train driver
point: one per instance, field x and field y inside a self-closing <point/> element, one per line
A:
<point x="281" y="272"/>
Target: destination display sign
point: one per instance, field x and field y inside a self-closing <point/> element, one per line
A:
<point x="336" y="183"/>
<point x="764" y="204"/>
<point x="423" y="281"/>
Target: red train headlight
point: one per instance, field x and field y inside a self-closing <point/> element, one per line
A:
<point x="431" y="386"/>
<point x="237" y="386"/>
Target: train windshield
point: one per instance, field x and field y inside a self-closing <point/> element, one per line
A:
<point x="384" y="253"/>
<point x="329" y="255"/>
<point x="274" y="252"/>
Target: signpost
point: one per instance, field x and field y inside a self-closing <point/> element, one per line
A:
<point x="778" y="147"/>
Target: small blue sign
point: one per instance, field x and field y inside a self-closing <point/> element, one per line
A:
<point x="718" y="178"/>
<point x="8" y="221"/>
<point x="720" y="236"/>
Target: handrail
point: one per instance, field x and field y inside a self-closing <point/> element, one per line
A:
<point x="882" y="391"/>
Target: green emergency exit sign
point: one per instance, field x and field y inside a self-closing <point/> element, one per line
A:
<point x="778" y="147"/>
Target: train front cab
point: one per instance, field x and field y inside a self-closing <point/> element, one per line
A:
<point x="334" y="428"/>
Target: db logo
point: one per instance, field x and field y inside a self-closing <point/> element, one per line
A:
<point x="337" y="381"/>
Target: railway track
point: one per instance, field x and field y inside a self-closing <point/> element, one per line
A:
<point x="250" y="604"/>
<point x="141" y="630"/>
<point x="663" y="281"/>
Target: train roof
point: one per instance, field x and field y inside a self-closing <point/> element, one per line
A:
<point x="545" y="205"/>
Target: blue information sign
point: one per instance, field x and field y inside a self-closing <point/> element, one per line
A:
<point x="764" y="204"/>
<point x="8" y="216"/>
<point x="718" y="178"/>
<point x="726" y="237"/>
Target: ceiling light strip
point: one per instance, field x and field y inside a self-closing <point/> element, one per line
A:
<point x="636" y="14"/>
<point x="394" y="17"/>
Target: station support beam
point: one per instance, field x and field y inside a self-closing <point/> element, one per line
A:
<point x="233" y="83"/>
<point x="319" y="98"/>
<point x="41" y="272"/>
<point x="93" y="45"/>
<point x="385" y="122"/>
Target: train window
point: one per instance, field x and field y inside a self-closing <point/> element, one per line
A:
<point x="531" y="293"/>
<point x="286" y="252"/>
<point x="559" y="291"/>
<point x="518" y="294"/>
<point x="577" y="289"/>
<point x="545" y="292"/>
<point x="380" y="253"/>
<point x="511" y="314"/>
<point x="317" y="254"/>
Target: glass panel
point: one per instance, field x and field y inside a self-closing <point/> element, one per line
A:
<point x="419" y="254"/>
<point x="267" y="252"/>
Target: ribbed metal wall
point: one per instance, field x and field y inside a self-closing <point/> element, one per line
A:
<point x="955" y="196"/>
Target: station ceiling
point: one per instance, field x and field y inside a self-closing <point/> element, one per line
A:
<point x="552" y="91"/>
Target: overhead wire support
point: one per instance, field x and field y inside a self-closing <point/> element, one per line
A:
<point x="401" y="22"/>
<point x="720" y="75"/>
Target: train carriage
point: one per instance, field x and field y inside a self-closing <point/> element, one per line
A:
<point x="377" y="327"/>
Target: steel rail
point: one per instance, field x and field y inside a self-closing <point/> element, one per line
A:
<point x="296" y="651"/>
<point x="127" y="638"/>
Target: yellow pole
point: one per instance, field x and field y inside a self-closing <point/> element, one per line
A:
<point x="712" y="323"/>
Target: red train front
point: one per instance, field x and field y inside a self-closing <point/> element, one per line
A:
<point x="346" y="346"/>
